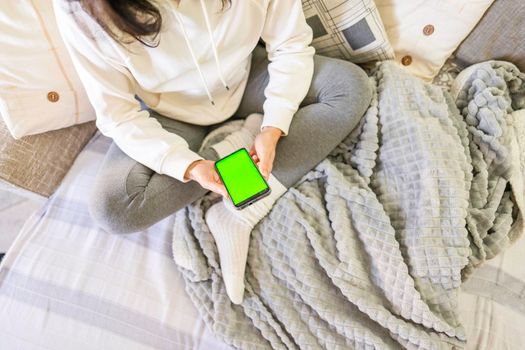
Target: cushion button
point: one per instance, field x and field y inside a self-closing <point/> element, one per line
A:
<point x="428" y="29"/>
<point x="406" y="60"/>
<point x="53" y="96"/>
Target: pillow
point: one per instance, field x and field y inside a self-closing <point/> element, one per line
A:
<point x="348" y="29"/>
<point x="424" y="33"/>
<point x="39" y="87"/>
<point x="500" y="35"/>
<point x="38" y="163"/>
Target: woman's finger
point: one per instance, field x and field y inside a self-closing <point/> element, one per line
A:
<point x="220" y="189"/>
<point x="217" y="178"/>
<point x="263" y="168"/>
<point x="270" y="168"/>
<point x="266" y="166"/>
<point x="261" y="164"/>
<point x="252" y="151"/>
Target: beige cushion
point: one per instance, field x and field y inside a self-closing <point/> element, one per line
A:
<point x="348" y="29"/>
<point x="39" y="87"/>
<point x="38" y="163"/>
<point x="424" y="33"/>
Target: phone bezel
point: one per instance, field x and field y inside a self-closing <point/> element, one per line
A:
<point x="253" y="198"/>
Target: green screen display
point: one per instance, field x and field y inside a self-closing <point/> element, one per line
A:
<point x="240" y="176"/>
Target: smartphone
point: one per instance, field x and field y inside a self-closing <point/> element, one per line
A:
<point x="242" y="178"/>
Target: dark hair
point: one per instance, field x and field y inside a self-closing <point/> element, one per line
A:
<point x="141" y="20"/>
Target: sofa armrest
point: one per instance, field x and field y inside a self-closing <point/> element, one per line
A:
<point x="38" y="163"/>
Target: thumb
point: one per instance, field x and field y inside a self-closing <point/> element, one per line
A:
<point x="267" y="164"/>
<point x="264" y="168"/>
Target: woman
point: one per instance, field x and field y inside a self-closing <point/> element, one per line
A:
<point x="194" y="64"/>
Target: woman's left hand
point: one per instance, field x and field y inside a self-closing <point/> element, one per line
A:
<point x="263" y="149"/>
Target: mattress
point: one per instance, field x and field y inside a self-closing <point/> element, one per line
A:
<point x="66" y="284"/>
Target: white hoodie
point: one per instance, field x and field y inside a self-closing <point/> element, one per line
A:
<point x="197" y="74"/>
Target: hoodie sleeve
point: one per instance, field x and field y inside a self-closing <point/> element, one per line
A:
<point x="288" y="38"/>
<point x="110" y="89"/>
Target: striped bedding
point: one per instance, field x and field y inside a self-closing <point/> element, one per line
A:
<point x="492" y="302"/>
<point x="65" y="284"/>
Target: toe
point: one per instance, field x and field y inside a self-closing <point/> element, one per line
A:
<point x="234" y="288"/>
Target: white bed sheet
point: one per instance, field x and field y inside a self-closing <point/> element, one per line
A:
<point x="492" y="302"/>
<point x="65" y="284"/>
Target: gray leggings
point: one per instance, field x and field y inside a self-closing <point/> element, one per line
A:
<point x="129" y="197"/>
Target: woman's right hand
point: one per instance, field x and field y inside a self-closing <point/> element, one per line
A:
<point x="203" y="171"/>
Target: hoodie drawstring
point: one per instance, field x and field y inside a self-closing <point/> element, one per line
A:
<point x="194" y="57"/>
<point x="213" y="45"/>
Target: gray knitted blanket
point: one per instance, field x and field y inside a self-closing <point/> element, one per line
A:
<point x="369" y="250"/>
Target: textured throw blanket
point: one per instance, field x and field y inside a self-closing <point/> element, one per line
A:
<point x="369" y="250"/>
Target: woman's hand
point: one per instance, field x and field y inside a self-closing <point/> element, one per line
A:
<point x="203" y="172"/>
<point x="263" y="149"/>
